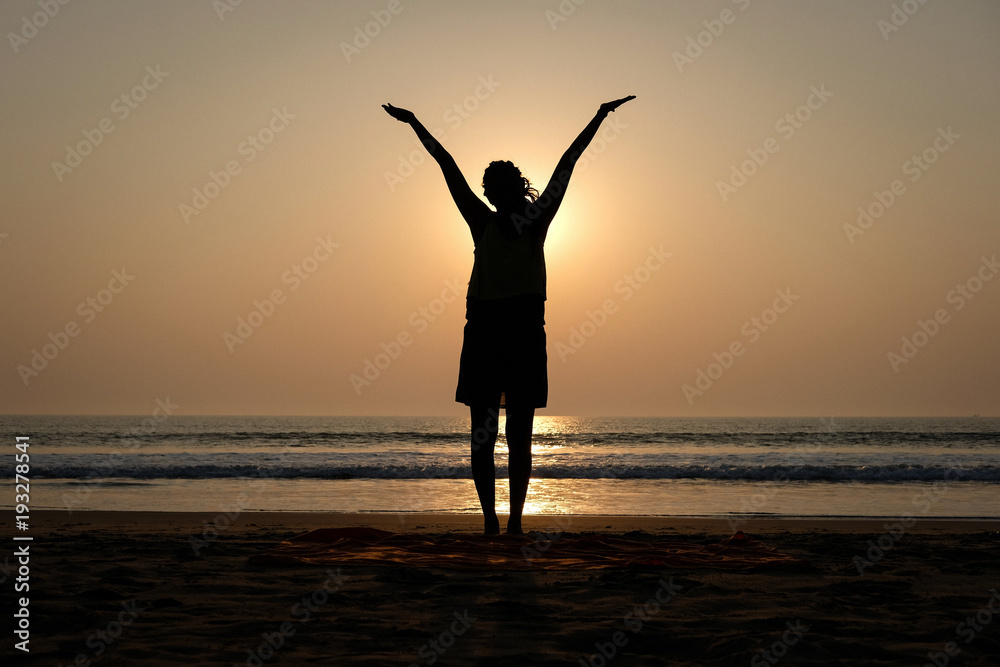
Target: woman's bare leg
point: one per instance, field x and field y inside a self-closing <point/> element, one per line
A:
<point x="519" y="427"/>
<point x="485" y="424"/>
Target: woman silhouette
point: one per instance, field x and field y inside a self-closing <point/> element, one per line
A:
<point x="503" y="362"/>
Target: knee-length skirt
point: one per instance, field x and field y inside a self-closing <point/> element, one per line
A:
<point x="503" y="353"/>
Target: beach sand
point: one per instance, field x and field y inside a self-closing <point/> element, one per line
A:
<point x="127" y="588"/>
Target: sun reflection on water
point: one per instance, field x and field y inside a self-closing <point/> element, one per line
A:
<point x="545" y="496"/>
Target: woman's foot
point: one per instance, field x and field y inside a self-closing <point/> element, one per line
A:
<point x="514" y="528"/>
<point x="491" y="526"/>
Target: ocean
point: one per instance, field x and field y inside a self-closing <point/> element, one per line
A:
<point x="738" y="468"/>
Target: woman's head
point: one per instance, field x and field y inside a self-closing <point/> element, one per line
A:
<point x="503" y="184"/>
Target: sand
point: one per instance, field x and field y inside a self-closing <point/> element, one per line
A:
<point x="128" y="588"/>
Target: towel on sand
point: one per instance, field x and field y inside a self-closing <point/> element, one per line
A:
<point x="369" y="546"/>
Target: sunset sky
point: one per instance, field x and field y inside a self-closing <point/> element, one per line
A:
<point x="172" y="167"/>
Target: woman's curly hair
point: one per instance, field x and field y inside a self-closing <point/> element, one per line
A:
<point x="503" y="176"/>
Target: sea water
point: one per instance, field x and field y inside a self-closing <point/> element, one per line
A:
<point x="715" y="467"/>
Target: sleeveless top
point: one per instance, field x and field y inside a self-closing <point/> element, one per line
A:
<point x="504" y="268"/>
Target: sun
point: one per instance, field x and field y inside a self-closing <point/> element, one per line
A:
<point x="566" y="235"/>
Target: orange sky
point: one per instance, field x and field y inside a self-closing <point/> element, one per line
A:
<point x="171" y="168"/>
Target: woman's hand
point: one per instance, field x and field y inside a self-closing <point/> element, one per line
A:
<point x="608" y="107"/>
<point x="401" y="115"/>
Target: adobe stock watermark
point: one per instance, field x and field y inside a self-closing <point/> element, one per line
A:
<point x="122" y="107"/>
<point x="301" y="612"/>
<point x="30" y="25"/>
<point x="417" y="498"/>
<point x="566" y="8"/>
<point x="779" y="649"/>
<point x="714" y="28"/>
<point x="630" y="283"/>
<point x="248" y="149"/>
<point x="224" y="520"/>
<point x="223" y="7"/>
<point x="898" y="17"/>
<point x="634" y="621"/>
<point x="105" y="467"/>
<point x="924" y="501"/>
<point x="787" y="125"/>
<point x="364" y="34"/>
<point x="419" y="321"/>
<point x="800" y="456"/>
<point x="915" y="167"/>
<point x="968" y="630"/>
<point x="751" y="329"/>
<point x="432" y="651"/>
<point x="608" y="134"/>
<point x="99" y="642"/>
<point x="88" y="309"/>
<point x="212" y="530"/>
<point x="454" y="116"/>
<point x="546" y="538"/>
<point x="958" y="297"/>
<point x="264" y="308"/>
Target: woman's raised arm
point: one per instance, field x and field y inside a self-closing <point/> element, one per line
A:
<point x="550" y="199"/>
<point x="472" y="208"/>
